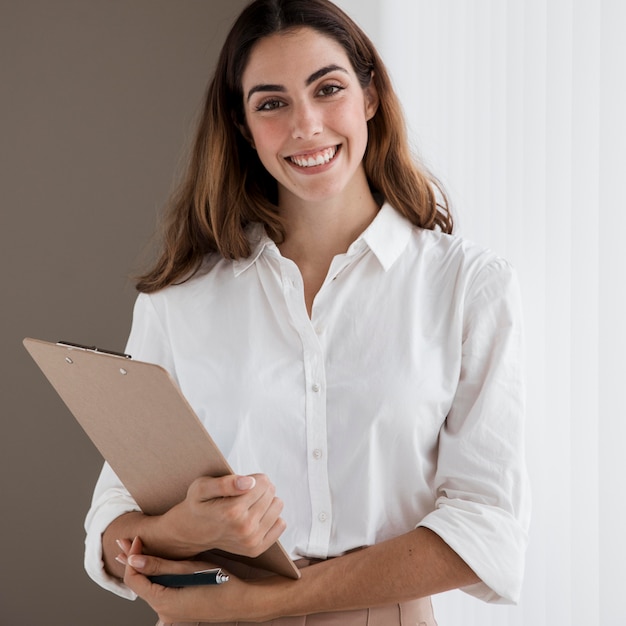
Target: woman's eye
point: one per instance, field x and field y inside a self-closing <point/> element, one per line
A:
<point x="269" y="105"/>
<point x="330" y="90"/>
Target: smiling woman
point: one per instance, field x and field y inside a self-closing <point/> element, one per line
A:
<point x="358" y="364"/>
<point x="307" y="121"/>
<point x="226" y="178"/>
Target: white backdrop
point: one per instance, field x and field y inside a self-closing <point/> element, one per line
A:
<point x="520" y="108"/>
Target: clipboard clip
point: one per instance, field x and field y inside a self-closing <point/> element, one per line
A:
<point x="80" y="346"/>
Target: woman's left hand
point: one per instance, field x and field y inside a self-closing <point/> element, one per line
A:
<point x="226" y="602"/>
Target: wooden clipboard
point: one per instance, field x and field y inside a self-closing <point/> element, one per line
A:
<point x="141" y="423"/>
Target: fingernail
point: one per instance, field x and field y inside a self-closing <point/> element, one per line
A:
<point x="137" y="561"/>
<point x="121" y="559"/>
<point x="245" y="482"/>
<point x="120" y="545"/>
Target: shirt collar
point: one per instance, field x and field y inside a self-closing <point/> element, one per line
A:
<point x="386" y="237"/>
<point x="258" y="242"/>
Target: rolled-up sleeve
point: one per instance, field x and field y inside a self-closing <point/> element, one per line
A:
<point x="110" y="500"/>
<point x="482" y="494"/>
<point x="147" y="342"/>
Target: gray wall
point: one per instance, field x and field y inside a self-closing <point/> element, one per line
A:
<point x="97" y="102"/>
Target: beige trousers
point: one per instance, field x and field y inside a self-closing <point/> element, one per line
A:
<point x="413" y="613"/>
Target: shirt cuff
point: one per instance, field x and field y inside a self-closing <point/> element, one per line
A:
<point x="490" y="541"/>
<point x="111" y="504"/>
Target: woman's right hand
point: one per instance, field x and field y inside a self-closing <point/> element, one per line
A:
<point x="238" y="514"/>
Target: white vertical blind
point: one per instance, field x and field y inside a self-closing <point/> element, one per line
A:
<point x="612" y="310"/>
<point x="520" y="108"/>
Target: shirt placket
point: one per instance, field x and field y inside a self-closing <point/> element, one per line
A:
<point x="315" y="412"/>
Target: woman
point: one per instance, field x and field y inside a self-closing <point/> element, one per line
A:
<point x="336" y="340"/>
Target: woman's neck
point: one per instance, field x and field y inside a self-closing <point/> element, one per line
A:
<point x="316" y="233"/>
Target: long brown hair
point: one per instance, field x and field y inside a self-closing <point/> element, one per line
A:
<point x="226" y="187"/>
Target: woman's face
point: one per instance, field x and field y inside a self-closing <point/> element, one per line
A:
<point x="306" y="115"/>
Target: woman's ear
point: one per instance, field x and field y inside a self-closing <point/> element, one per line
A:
<point x="245" y="133"/>
<point x="371" y="99"/>
<point x="243" y="129"/>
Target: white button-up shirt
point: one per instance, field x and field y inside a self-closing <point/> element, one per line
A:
<point x="397" y="404"/>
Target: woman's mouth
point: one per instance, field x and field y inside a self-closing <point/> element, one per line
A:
<point x="315" y="159"/>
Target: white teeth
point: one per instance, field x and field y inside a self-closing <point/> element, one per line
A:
<point x="322" y="158"/>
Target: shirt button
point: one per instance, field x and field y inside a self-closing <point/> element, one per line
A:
<point x="317" y="454"/>
<point x="322" y="517"/>
<point x="315" y="387"/>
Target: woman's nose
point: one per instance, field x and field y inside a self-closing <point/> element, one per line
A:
<point x="306" y="121"/>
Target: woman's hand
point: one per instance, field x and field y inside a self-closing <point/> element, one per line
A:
<point x="229" y="601"/>
<point x="238" y="514"/>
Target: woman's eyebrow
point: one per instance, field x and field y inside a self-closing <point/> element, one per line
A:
<point x="257" y="88"/>
<point x="311" y="79"/>
<point x="322" y="72"/>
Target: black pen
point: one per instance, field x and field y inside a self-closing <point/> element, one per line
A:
<point x="203" y="577"/>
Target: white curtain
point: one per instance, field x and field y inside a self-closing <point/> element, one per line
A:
<point x="520" y="108"/>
